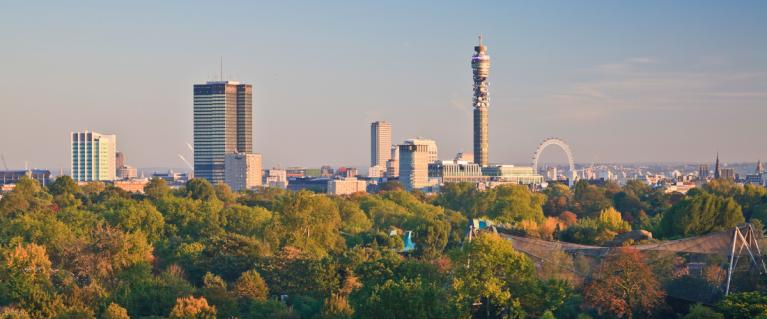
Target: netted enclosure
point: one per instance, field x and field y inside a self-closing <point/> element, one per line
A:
<point x="698" y="269"/>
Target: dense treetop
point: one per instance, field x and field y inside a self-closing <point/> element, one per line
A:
<point x="203" y="251"/>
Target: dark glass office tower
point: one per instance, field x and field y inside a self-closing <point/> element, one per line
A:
<point x="223" y="124"/>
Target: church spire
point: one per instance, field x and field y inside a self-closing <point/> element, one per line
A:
<point x="717" y="169"/>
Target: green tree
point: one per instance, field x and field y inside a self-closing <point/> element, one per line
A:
<point x="624" y="286"/>
<point x="700" y="214"/>
<point x="307" y="221"/>
<point x="558" y="199"/>
<point x="744" y="305"/>
<point x="489" y="271"/>
<point x="754" y="201"/>
<point x="405" y="298"/>
<point x="27" y="196"/>
<point x="157" y="188"/>
<point x="515" y="203"/>
<point x="589" y="200"/>
<point x="247" y="221"/>
<point x="354" y="219"/>
<point x="251" y="286"/>
<point x="114" y="311"/>
<point x="107" y="252"/>
<point x="25" y="280"/>
<point x="132" y="216"/>
<point x="699" y="311"/>
<point x="200" y="188"/>
<point x="192" y="308"/>
<point x="465" y="198"/>
<point x="228" y="254"/>
<point x="13" y="313"/>
<point x="225" y="194"/>
<point x="64" y="191"/>
<point x="190" y="219"/>
<point x="431" y="238"/>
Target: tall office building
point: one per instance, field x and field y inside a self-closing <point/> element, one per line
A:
<point x="242" y="171"/>
<point x="380" y="143"/>
<point x="480" y="65"/>
<point x="93" y="156"/>
<point x="414" y="158"/>
<point x="223" y="124"/>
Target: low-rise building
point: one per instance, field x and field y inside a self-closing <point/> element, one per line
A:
<point x="135" y="185"/>
<point x="126" y="172"/>
<point x="42" y="176"/>
<point x="173" y="178"/>
<point x="510" y="174"/>
<point x="276" y="177"/>
<point x="456" y="171"/>
<point x="346" y="186"/>
<point x="314" y="184"/>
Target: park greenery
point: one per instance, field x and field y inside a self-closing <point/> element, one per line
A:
<point x="203" y="251"/>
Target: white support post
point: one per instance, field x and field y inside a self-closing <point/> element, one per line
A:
<point x="732" y="259"/>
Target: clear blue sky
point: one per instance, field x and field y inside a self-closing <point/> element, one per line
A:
<point x="621" y="81"/>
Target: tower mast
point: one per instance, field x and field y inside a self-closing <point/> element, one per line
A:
<point x="480" y="65"/>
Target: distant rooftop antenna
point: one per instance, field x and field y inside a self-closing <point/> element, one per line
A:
<point x="480" y="39"/>
<point x="221" y="67"/>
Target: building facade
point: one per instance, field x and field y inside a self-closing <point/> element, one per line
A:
<point x="346" y="186"/>
<point x="119" y="161"/>
<point x="276" y="177"/>
<point x="456" y="171"/>
<point x="431" y="147"/>
<point x="480" y="66"/>
<point x="242" y="171"/>
<point x="223" y="124"/>
<point x="703" y="171"/>
<point x="510" y="174"/>
<point x="93" y="156"/>
<point x="380" y="143"/>
<point x="414" y="162"/>
<point x="727" y="173"/>
<point x="42" y="176"/>
<point x="126" y="172"/>
<point x="392" y="165"/>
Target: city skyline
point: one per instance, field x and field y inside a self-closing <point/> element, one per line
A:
<point x="608" y="101"/>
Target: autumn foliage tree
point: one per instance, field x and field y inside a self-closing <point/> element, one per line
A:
<point x="192" y="308"/>
<point x="624" y="286"/>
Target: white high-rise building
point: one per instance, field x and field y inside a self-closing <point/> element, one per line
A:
<point x="242" y="171"/>
<point x="380" y="143"/>
<point x="93" y="156"/>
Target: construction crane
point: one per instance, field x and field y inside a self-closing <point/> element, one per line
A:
<point x="2" y="157"/>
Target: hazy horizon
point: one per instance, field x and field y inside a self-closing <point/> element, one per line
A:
<point x="620" y="82"/>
